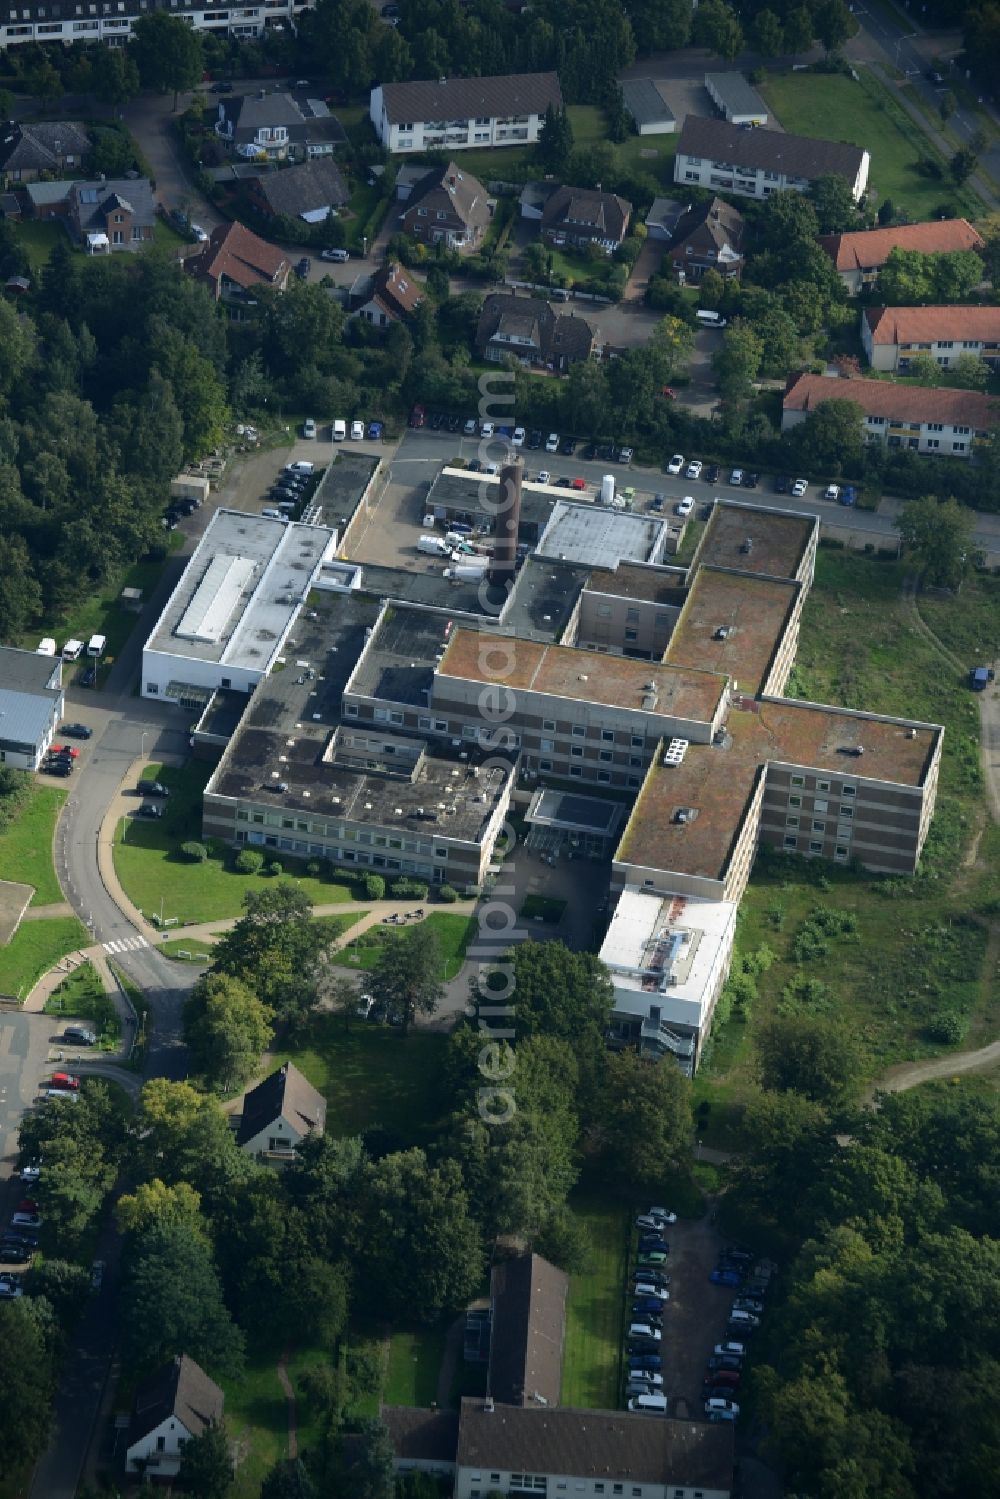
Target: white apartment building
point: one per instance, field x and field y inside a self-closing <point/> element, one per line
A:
<point x="756" y="163"/>
<point x="455" y="114"/>
<point x="111" y="20"/>
<point x="923" y="419"/>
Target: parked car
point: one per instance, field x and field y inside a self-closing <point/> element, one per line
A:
<point x="578" y="483"/>
<point x="832" y="492"/>
<point x="199" y="234"/>
<point x="357" y="431"/>
<point x="719" y="1403"/>
<point x="625" y="455"/>
<point x="799" y="488"/>
<point x="26" y="1220"/>
<point x="469" y="426"/>
<point x="337" y="255"/>
<point x="711" y="474"/>
<point x="726" y="1278"/>
<point x="544" y="477"/>
<point x="676" y="464"/>
<point x="736" y="477"/>
<point x="152" y="788"/>
<point x="64" y="1080"/>
<point x="535" y="438"/>
<point x="552" y="443"/>
<point x="751" y="480"/>
<point x="303" y="267"/>
<point x="782" y="484"/>
<point x="742" y="1322"/>
<point x="848" y="495"/>
<point x="79" y="1035"/>
<point x="647" y="1380"/>
<point x="65" y="751"/>
<point x="749" y="1304"/>
<point x="88" y="678"/>
<point x="722" y="1378"/>
<point x="222" y="88"/>
<point x="418" y="416"/>
<point x="649" y="1306"/>
<point x="10" y="1289"/>
<point x="649" y="1292"/>
<point x="149" y="809"/>
<point x="76" y="731"/>
<point x="685" y="506"/>
<point x="486" y="429"/>
<point x="302" y="466"/>
<point x="473" y="466"/>
<point x="645" y="1361"/>
<point x="656" y="504"/>
<point x="309" y="427"/>
<point x="651" y="1278"/>
<point x="568" y="447"/>
<point x="30" y="1172"/>
<point x="518" y="437"/>
<point x="694" y="468"/>
<point x="652" y="1259"/>
<point x="715" y="1415"/>
<point x="15" y="1254"/>
<point x="730" y="1350"/>
<point x="648" y="1221"/>
<point x="726" y="1363"/>
<point x="635" y="1329"/>
<point x="374" y="431"/>
<point x="653" y="1404"/>
<point x="652" y="1241"/>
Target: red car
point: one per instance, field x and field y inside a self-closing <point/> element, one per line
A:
<point x="64" y="1080"/>
<point x="27" y="1205"/>
<point x="64" y="749"/>
<point x="578" y="484"/>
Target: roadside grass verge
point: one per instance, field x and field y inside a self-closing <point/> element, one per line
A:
<point x="81" y="996"/>
<point x="866" y="114"/>
<point x="592" y="1357"/>
<point x="156" y="875"/>
<point x="453" y="933"/>
<point x="26" y="846"/>
<point x="372" y="1077"/>
<point x="916" y="950"/>
<point x="36" y="947"/>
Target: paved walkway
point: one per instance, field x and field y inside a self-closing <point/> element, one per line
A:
<point x="44" y="913"/>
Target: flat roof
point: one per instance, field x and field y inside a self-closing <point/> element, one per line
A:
<point x="633" y="580"/>
<point x="749" y="611"/>
<point x="459" y="489"/>
<point x="779" y="539"/>
<point x="600" y="536"/>
<point x="664" y="949"/>
<point x="28" y="671"/>
<point x="737" y="96"/>
<point x="399" y="659"/>
<point x="543" y="597"/>
<point x="241" y="590"/>
<point x="717" y="781"/>
<point x="645" y="102"/>
<point x="340" y="491"/>
<point x="431" y="588"/>
<point x="584" y="676"/>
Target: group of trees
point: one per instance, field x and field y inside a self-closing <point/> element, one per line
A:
<point x="886" y="1333"/>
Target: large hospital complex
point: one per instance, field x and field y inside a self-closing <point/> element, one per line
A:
<point x="562" y="667"/>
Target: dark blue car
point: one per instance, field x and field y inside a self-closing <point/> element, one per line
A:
<point x="726" y="1278"/>
<point x="639" y="1361"/>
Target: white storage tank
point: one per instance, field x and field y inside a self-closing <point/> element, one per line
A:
<point x="608" y="489"/>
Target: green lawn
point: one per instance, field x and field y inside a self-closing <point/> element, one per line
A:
<point x="453" y="933"/>
<point x="372" y="1075"/>
<point x="155" y="874"/>
<point x="26" y="846"/>
<point x="595" y="1308"/>
<point x="414" y="1363"/>
<point x="193" y="950"/>
<point x="35" y="948"/>
<point x="916" y="949"/>
<point x="833" y="106"/>
<point x="38" y="240"/>
<point x="81" y="996"/>
<point x="257" y="1421"/>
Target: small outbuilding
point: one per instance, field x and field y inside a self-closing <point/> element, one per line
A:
<point x="736" y="100"/>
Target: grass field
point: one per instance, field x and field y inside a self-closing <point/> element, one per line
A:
<point x="453" y="933"/>
<point x="26" y="846"/>
<point x="595" y="1308"/>
<point x="414" y="1363"/>
<point x="81" y="996"/>
<point x="916" y="950"/>
<point x="835" y="107"/>
<point x="154" y="872"/>
<point x="372" y="1075"/>
<point x="35" y="948"/>
<point x="257" y="1421"/>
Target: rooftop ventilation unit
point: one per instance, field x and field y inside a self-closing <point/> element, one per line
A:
<point x="723" y="632"/>
<point x="684" y="815"/>
<point x="675" y="751"/>
<point x="747" y="545"/>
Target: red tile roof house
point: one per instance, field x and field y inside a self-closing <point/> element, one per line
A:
<point x="921" y="418"/>
<point x="235" y="262"/>
<point x="892" y="336"/>
<point x="386" y="297"/>
<point x="860" y="256"/>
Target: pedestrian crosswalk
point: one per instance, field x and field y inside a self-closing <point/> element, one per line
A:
<point x="124" y="944"/>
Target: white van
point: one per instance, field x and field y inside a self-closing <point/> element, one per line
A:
<point x="710" y="319"/>
<point x="271" y="514"/>
<point x="653" y="1405"/>
<point x="95" y="646"/>
<point x="72" y="650"/>
<point x="46" y="647"/>
<point x="339" y="431"/>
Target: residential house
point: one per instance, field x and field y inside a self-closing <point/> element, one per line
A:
<point x="31" y="706"/>
<point x="110" y="216"/>
<point x="388" y="296"/>
<point x="279" y="1113"/>
<point x="55" y="146"/>
<point x="455" y="114"/>
<point x="529" y="330"/>
<point x="173" y="1405"/>
<point x="708" y="237"/>
<point x="922" y="418"/>
<point x="579" y="216"/>
<point x="736" y="100"/>
<point x="235" y="263"/>
<point x="644" y="99"/>
<point x="311" y="191"/>
<point x="41" y="21"/>
<point x="278" y="127"/>
<point x="892" y="336"/>
<point x="757" y="163"/>
<point x="861" y="254"/>
<point x="663" y="217"/>
<point x="448" y="207"/>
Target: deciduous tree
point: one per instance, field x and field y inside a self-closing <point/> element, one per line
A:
<point x="811" y="1055"/>
<point x="172" y="1303"/>
<point x="937" y="535"/>
<point x="407" y="975"/>
<point x="227" y="1028"/>
<point x="206" y="1467"/>
<point x="169" y="54"/>
<point x="645" y="1124"/>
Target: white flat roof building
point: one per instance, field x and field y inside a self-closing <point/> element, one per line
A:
<point x="668" y="956"/>
<point x="601" y="537"/>
<point x="227" y="620"/>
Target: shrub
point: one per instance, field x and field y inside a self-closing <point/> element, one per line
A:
<point x="248" y="861"/>
<point x="373" y="886"/>
<point x="948" y="1028"/>
<point x="196" y="852"/>
<point x="274" y="868"/>
<point x="448" y="894"/>
<point x="407" y="889"/>
<point x="314" y="869"/>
